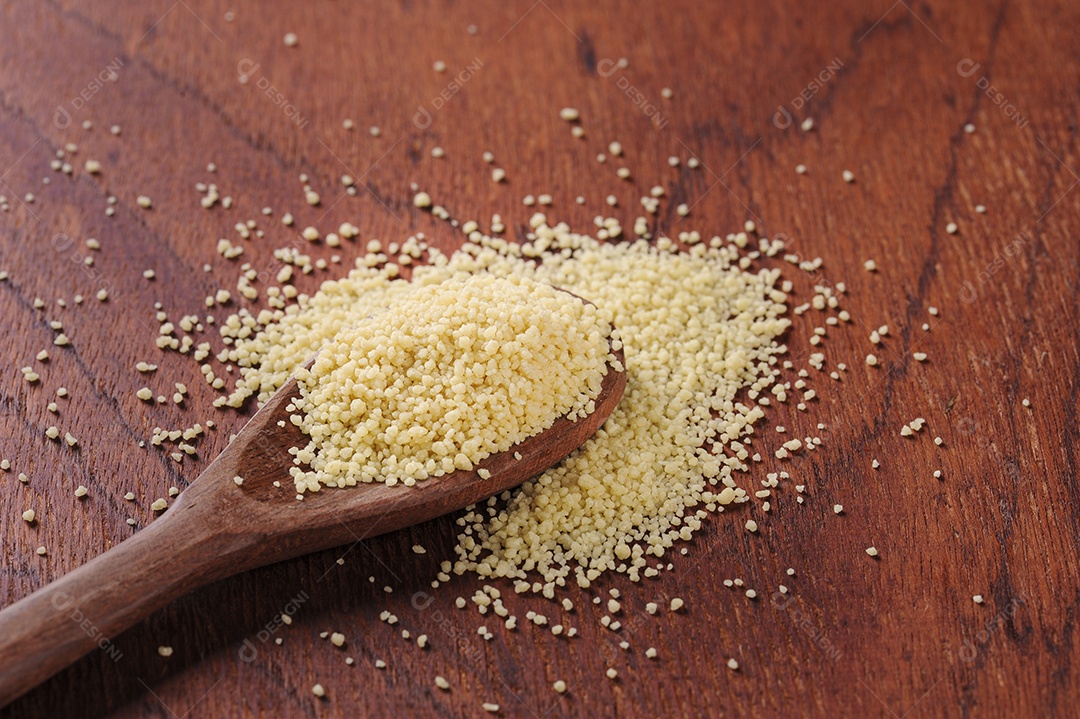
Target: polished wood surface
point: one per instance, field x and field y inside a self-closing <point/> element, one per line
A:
<point x="890" y="88"/>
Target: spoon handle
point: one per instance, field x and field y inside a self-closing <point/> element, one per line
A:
<point x="88" y="607"/>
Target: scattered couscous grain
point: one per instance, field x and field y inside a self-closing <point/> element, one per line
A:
<point x="672" y="301"/>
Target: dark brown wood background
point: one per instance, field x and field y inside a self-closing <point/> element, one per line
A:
<point x="895" y="637"/>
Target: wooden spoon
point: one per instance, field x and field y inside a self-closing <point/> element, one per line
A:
<point x="216" y="529"/>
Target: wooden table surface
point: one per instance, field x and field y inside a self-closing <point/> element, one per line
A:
<point x="890" y="88"/>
